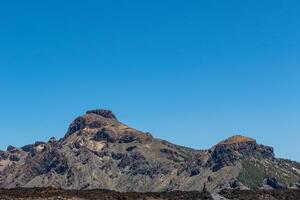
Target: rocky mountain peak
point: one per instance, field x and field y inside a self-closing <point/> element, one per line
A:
<point x="101" y="126"/>
<point x="245" y="147"/>
<point x="97" y="118"/>
<point x="237" y="139"/>
<point x="236" y="148"/>
<point x="102" y="112"/>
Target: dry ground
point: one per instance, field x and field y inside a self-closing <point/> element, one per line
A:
<point x="58" y="194"/>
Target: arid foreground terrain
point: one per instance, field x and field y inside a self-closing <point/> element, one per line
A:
<point x="290" y="194"/>
<point x="59" y="194"/>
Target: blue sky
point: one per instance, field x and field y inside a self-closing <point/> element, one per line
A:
<point x="192" y="72"/>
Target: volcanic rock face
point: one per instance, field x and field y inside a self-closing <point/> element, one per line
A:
<point x="272" y="183"/>
<point x="100" y="152"/>
<point x="233" y="149"/>
<point x="103" y="113"/>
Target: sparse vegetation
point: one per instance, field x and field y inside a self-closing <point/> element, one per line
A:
<point x="255" y="171"/>
<point x="252" y="174"/>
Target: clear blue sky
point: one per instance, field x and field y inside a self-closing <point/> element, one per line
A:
<point x="192" y="72"/>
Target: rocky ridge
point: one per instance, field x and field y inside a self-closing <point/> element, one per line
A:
<point x="98" y="151"/>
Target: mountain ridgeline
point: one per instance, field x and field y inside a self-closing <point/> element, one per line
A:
<point x="100" y="152"/>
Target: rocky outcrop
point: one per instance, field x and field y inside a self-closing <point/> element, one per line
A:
<point x="230" y="151"/>
<point x="3" y="155"/>
<point x="272" y="183"/>
<point x="104" y="113"/>
<point x="234" y="183"/>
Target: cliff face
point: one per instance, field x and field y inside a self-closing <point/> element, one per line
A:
<point x="98" y="151"/>
<point x="232" y="150"/>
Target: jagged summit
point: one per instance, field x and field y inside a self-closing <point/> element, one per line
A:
<point x="236" y="148"/>
<point x="98" y="118"/>
<point x="102" y="112"/>
<point x="98" y="127"/>
<point x="237" y="139"/>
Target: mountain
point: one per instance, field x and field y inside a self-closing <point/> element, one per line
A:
<point x="98" y="151"/>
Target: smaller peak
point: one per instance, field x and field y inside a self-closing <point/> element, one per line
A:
<point x="102" y="112"/>
<point x="237" y="139"/>
<point x="52" y="139"/>
<point x="11" y="148"/>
